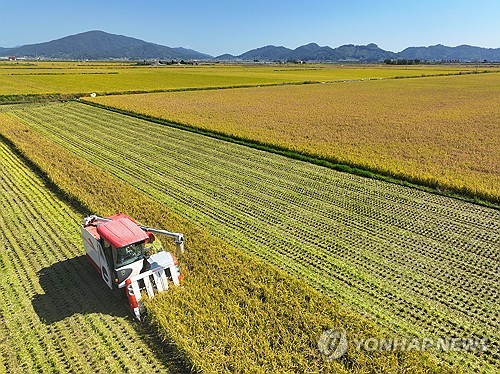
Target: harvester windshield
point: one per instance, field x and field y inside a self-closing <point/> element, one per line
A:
<point x="128" y="254"/>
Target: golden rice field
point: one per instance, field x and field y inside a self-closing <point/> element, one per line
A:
<point x="234" y="313"/>
<point x="84" y="77"/>
<point x="440" y="131"/>
<point x="260" y="229"/>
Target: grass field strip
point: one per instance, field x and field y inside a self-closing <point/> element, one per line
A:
<point x="56" y="314"/>
<point x="415" y="261"/>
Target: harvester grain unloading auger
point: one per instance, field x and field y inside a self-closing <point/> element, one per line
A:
<point x="121" y="251"/>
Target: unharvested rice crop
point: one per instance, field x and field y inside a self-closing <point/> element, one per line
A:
<point x="419" y="263"/>
<point x="438" y="131"/>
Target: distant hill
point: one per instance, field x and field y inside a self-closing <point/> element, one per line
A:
<point x="99" y="45"/>
<point x="268" y="52"/>
<point x="441" y="52"/>
<point x="310" y="52"/>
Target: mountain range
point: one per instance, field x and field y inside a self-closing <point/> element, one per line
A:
<point x="313" y="52"/>
<point x="99" y="45"/>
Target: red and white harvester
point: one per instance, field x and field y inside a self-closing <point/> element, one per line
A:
<point x="128" y="258"/>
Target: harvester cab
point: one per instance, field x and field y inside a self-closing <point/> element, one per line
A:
<point x="128" y="258"/>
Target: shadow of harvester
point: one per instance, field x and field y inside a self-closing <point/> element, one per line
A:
<point x="73" y="286"/>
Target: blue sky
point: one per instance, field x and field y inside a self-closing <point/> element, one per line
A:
<point x="217" y="27"/>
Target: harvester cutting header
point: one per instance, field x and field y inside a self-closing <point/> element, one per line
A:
<point x="121" y="251"/>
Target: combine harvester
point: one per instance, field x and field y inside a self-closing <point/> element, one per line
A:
<point x="122" y="253"/>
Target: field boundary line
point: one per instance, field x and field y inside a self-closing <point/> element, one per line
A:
<point x="69" y="199"/>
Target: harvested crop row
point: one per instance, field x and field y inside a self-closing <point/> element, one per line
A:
<point x="411" y="259"/>
<point x="438" y="131"/>
<point x="235" y="313"/>
<point x="56" y="316"/>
